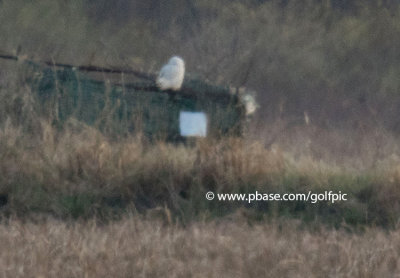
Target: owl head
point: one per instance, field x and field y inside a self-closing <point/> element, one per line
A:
<point x="177" y="61"/>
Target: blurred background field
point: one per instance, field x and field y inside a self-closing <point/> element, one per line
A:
<point x="327" y="77"/>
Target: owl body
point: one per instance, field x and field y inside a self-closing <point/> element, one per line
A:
<point x="250" y="104"/>
<point x="172" y="74"/>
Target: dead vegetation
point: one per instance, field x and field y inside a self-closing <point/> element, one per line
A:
<point x="133" y="247"/>
<point x="78" y="172"/>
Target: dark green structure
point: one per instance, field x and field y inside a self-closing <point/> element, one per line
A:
<point x="118" y="109"/>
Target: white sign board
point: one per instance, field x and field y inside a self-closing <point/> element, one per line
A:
<point x="193" y="124"/>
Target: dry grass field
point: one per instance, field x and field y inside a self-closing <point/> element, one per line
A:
<point x="81" y="205"/>
<point x="134" y="247"/>
<point x="80" y="199"/>
<point x="80" y="173"/>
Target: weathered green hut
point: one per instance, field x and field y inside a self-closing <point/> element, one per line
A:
<point x="118" y="108"/>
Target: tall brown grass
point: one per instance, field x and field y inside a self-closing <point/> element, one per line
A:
<point x="133" y="247"/>
<point x="79" y="172"/>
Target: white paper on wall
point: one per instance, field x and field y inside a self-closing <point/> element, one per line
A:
<point x="193" y="124"/>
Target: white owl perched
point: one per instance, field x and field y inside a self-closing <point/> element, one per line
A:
<point x="172" y="74"/>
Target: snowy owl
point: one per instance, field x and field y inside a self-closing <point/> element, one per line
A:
<point x="246" y="98"/>
<point x="172" y="74"/>
<point x="250" y="104"/>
